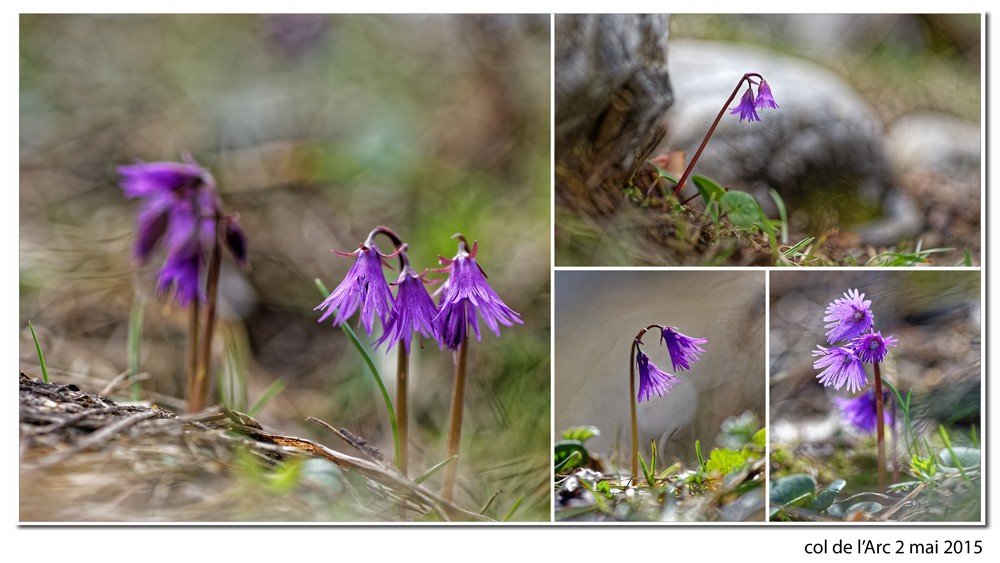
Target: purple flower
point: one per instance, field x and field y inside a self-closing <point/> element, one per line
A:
<point x="181" y="205"/>
<point x="364" y="287"/>
<point x="764" y="98"/>
<point x="413" y="311"/>
<point x="746" y="108"/>
<point x="683" y="350"/>
<point x="652" y="380"/>
<point x="465" y="293"/>
<point x="841" y="366"/>
<point x="860" y="411"/>
<point x="872" y="347"/>
<point x="851" y="317"/>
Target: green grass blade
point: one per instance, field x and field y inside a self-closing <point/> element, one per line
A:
<point x="489" y="503"/>
<point x="276" y="386"/>
<point x="371" y="366"/>
<point x="781" y="213"/>
<point x="513" y="508"/>
<point x="427" y="474"/>
<point x="697" y="451"/>
<point x="798" y="246"/>
<point x="41" y="357"/>
<point x="134" y="340"/>
<point x="947" y="444"/>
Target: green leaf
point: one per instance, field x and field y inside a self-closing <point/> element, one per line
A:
<point x="791" y="488"/>
<point x="276" y="386"/>
<point x="826" y="496"/>
<point x="662" y="173"/>
<point x="963" y="457"/>
<point x="708" y="188"/>
<point x="563" y="449"/>
<point x="647" y="472"/>
<point x="724" y="461"/>
<point x="580" y="433"/>
<point x="760" y="438"/>
<point x="742" y="209"/>
<point x="513" y="508"/>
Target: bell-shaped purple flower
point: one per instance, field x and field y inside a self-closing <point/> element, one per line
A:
<point x="364" y="287"/>
<point x="764" y="97"/>
<point x="860" y="411"/>
<point x="413" y="311"/>
<point x="871" y="348"/>
<point x="840" y="366"/>
<point x="181" y="205"/>
<point x="850" y="316"/>
<point x="683" y="349"/>
<point x="652" y="380"/>
<point x="464" y="294"/>
<point x="746" y="107"/>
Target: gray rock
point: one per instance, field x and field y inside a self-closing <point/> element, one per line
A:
<point x="940" y="144"/>
<point x="611" y="82"/>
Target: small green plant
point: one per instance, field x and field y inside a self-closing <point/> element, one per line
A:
<point x="38" y="350"/>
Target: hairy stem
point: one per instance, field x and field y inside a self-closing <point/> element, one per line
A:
<point x="455" y="426"/>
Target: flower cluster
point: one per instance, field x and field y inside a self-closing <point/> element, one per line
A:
<point x="748" y="106"/>
<point x="463" y="298"/>
<point x="683" y="351"/>
<point x="851" y="323"/>
<point x="180" y="205"/>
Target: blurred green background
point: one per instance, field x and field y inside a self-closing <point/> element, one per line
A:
<point x="317" y="128"/>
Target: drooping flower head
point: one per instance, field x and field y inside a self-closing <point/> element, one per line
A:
<point x="413" y="310"/>
<point x="745" y="109"/>
<point x="652" y="380"/>
<point x="465" y="293"/>
<point x="850" y="316"/>
<point x="860" y="411"/>
<point x="683" y="349"/>
<point x="363" y="287"/>
<point x="871" y="348"/>
<point x="180" y="204"/>
<point x="764" y="97"/>
<point x="840" y="366"/>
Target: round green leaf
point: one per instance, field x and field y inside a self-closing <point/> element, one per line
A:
<point x="742" y="209"/>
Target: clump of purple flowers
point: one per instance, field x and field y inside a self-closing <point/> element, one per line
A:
<point x="851" y="323"/>
<point x="748" y="106"/>
<point x="683" y="351"/>
<point x="181" y="206"/>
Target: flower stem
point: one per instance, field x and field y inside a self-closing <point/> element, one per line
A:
<point x="197" y="400"/>
<point x="633" y="399"/>
<point x="402" y="416"/>
<point x="632" y="407"/>
<point x="455" y="426"/>
<point x="191" y="352"/>
<point x="711" y="130"/>
<point x="880" y="426"/>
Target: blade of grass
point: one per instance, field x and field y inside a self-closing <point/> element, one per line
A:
<point x="781" y="213"/>
<point x="41" y="357"/>
<point x="276" y="386"/>
<point x="697" y="451"/>
<point x="430" y="472"/>
<point x="798" y="246"/>
<point x="134" y="339"/>
<point x="513" y="508"/>
<point x="489" y="503"/>
<point x="371" y="366"/>
<point x="947" y="444"/>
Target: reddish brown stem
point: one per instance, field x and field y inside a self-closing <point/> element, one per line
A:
<point x="633" y="399"/>
<point x="197" y="400"/>
<point x="880" y="428"/>
<point x="455" y="427"/>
